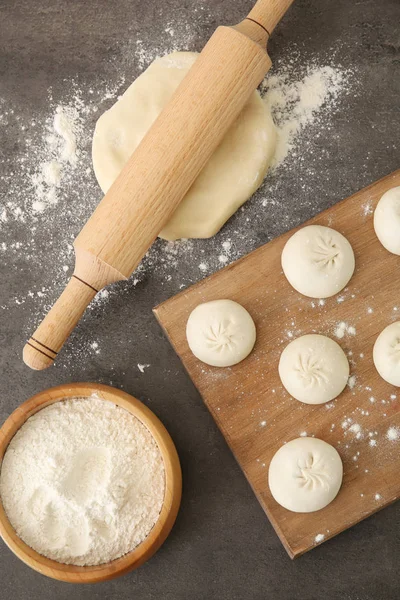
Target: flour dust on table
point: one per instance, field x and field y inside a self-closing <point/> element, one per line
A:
<point x="296" y="104"/>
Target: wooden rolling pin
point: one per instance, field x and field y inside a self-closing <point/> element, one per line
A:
<point x="161" y="170"/>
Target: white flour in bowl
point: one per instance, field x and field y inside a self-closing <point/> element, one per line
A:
<point x="82" y="481"/>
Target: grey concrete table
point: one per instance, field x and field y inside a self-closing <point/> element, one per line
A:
<point x="222" y="545"/>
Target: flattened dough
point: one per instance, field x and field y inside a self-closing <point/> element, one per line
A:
<point x="234" y="172"/>
<point x="318" y="261"/>
<point x="220" y="333"/>
<point x="386" y="354"/>
<point x="305" y="475"/>
<point x="387" y="220"/>
<point x="314" y="369"/>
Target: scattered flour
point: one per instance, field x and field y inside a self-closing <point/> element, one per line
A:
<point x="352" y="381"/>
<point x="342" y="328"/>
<point x="82" y="481"/>
<point x="367" y="209"/>
<point x="319" y="538"/>
<point x="355" y="428"/>
<point x="65" y="125"/>
<point x="296" y="104"/>
<point x="203" y="267"/>
<point x="393" y="434"/>
<point x="60" y="150"/>
<point x="95" y="346"/>
<point x="142" y="367"/>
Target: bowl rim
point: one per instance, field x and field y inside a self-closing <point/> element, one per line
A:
<point x="172" y="496"/>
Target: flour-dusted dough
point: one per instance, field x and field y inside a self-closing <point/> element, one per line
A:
<point x="318" y="261"/>
<point x="305" y="475"/>
<point x="233" y="173"/>
<point x="220" y="333"/>
<point x="386" y="354"/>
<point x="314" y="369"/>
<point x="387" y="220"/>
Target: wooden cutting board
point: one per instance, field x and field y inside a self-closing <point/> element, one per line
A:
<point x="249" y="403"/>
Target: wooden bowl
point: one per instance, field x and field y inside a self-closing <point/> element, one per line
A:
<point x="173" y="486"/>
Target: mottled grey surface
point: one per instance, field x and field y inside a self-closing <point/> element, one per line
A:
<point x="222" y="545"/>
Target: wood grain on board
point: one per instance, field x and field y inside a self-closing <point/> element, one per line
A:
<point x="250" y="405"/>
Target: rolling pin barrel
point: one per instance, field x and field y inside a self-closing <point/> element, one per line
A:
<point x="175" y="150"/>
<point x="161" y="170"/>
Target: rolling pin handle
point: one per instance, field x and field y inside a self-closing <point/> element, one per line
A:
<point x="268" y="13"/>
<point x="42" y="348"/>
